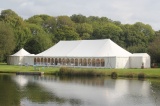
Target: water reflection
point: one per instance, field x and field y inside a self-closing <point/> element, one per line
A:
<point x="22" y="81"/>
<point x="73" y="91"/>
<point x="9" y="94"/>
<point x="155" y="89"/>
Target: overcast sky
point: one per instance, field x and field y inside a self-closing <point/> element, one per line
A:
<point x="125" y="11"/>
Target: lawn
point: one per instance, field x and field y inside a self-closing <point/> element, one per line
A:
<point x="149" y="73"/>
<point x="4" y="68"/>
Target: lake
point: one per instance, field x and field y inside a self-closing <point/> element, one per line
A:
<point x="19" y="90"/>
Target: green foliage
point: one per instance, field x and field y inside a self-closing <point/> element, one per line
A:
<point x="48" y="23"/>
<point x="130" y="75"/>
<point x="114" y="75"/>
<point x="84" y="30"/>
<point x="137" y="49"/>
<point x="81" y="72"/>
<point x="21" y="32"/>
<point x="149" y="73"/>
<point x="39" y="32"/>
<point x="66" y="33"/>
<point x="38" y="43"/>
<point x="108" y="31"/>
<point x="10" y="17"/>
<point x="141" y="76"/>
<point x="64" y="21"/>
<point x="9" y="92"/>
<point x="78" y="18"/>
<point x="7" y="42"/>
<point x="154" y="50"/>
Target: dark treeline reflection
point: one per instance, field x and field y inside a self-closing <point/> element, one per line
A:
<point x="155" y="87"/>
<point x="77" y="91"/>
<point x="9" y="93"/>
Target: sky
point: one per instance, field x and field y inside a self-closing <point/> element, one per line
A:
<point x="125" y="11"/>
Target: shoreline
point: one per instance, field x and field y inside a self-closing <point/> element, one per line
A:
<point x="88" y="72"/>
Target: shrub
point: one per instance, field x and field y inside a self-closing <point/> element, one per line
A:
<point x="65" y="71"/>
<point x="130" y="75"/>
<point x="80" y="72"/>
<point x="141" y="76"/>
<point x="114" y="75"/>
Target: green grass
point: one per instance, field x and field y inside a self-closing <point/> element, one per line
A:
<point x="14" y="68"/>
<point x="149" y="73"/>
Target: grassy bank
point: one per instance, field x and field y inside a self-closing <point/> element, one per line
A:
<point x="13" y="69"/>
<point x="130" y="73"/>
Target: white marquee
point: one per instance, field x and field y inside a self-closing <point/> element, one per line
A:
<point x="102" y="53"/>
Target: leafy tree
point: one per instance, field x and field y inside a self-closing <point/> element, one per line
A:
<point x="64" y="21"/>
<point x="41" y="31"/>
<point x="100" y="20"/>
<point x="21" y="36"/>
<point x="7" y="42"/>
<point x="10" y="17"/>
<point x="78" y="18"/>
<point x="144" y="28"/>
<point x="84" y="30"/>
<point x="21" y="32"/>
<point x="48" y="23"/>
<point x="35" y="20"/>
<point x="108" y="31"/>
<point x="145" y="31"/>
<point x="35" y="29"/>
<point x="137" y="49"/>
<point x="65" y="29"/>
<point x="154" y="50"/>
<point x="38" y="43"/>
<point x="66" y="33"/>
<point x="85" y="36"/>
<point x="118" y="23"/>
<point x="137" y="36"/>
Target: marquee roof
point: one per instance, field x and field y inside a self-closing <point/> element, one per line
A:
<point x="21" y="52"/>
<point x="85" y="48"/>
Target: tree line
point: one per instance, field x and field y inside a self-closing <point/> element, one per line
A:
<point x="40" y="32"/>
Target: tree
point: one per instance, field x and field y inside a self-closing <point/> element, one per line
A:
<point x="7" y="42"/>
<point x="64" y="21"/>
<point x="78" y="18"/>
<point x="10" y="17"/>
<point x="100" y="20"/>
<point x="21" y="32"/>
<point x="154" y="50"/>
<point x="48" y="23"/>
<point x="66" y="33"/>
<point x="108" y="31"/>
<point x="65" y="29"/>
<point x="38" y="43"/>
<point x="84" y="30"/>
<point x="38" y="28"/>
<point x="137" y="36"/>
<point x="35" y="29"/>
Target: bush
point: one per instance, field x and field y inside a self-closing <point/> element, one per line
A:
<point x="114" y="75"/>
<point x="80" y="72"/>
<point x="130" y="75"/>
<point x="64" y="71"/>
<point x="141" y="76"/>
